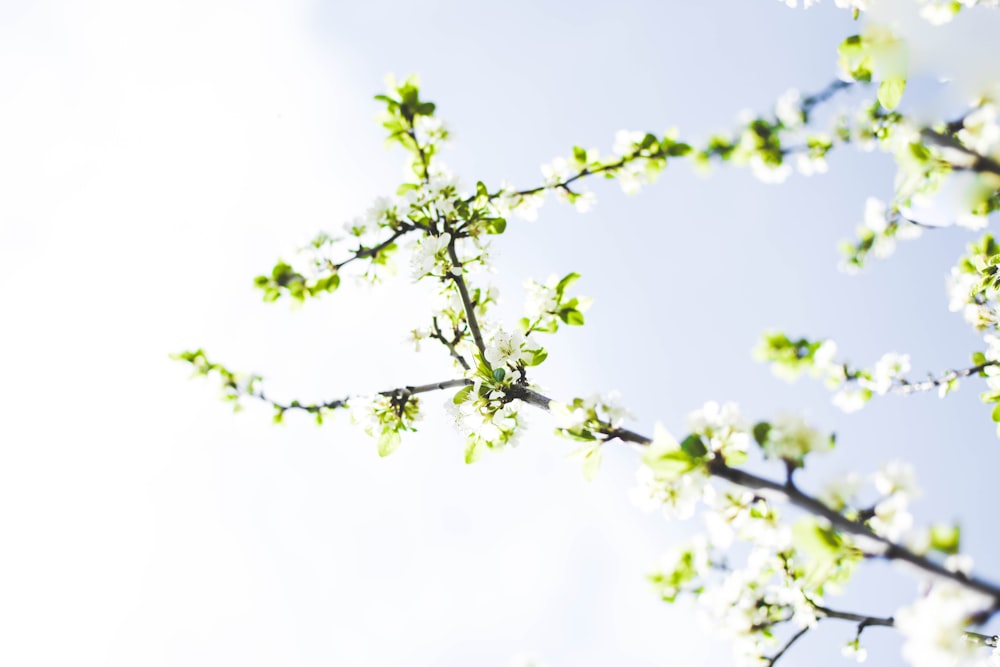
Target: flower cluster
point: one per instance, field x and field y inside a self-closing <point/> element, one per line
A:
<point x="385" y="417"/>
<point x="547" y="305"/>
<point x="855" y="386"/>
<point x="934" y="626"/>
<point x="486" y="420"/>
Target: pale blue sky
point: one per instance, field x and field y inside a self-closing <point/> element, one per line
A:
<point x="155" y="159"/>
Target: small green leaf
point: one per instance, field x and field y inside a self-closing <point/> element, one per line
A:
<point x="945" y="538"/>
<point x="566" y="281"/>
<point x="760" y="432"/>
<point x="996" y="413"/>
<point x="571" y="316"/>
<point x="538" y="356"/>
<point x="669" y="464"/>
<point x="474" y="450"/>
<point x="890" y="92"/>
<point x="462" y="395"/>
<point x="694" y="446"/>
<point x="498" y="374"/>
<point x="495" y="225"/>
<point x="592" y="462"/>
<point x="388" y="442"/>
<point x="920" y="151"/>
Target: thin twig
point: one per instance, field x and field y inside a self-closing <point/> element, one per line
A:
<point x="409" y="390"/>
<point x="773" y="659"/>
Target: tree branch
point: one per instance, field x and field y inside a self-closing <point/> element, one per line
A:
<point x="450" y="344"/>
<point x="718" y="468"/>
<point x="773" y="659"/>
<point x="906" y="387"/>
<point x="463" y="290"/>
<point x="407" y="391"/>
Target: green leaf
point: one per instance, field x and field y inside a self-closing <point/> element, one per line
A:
<point x="945" y="538"/>
<point x="579" y="154"/>
<point x="474" y="450"/>
<point x="591" y="462"/>
<point x="821" y="544"/>
<point x="566" y="281"/>
<point x="462" y="395"/>
<point x="571" y="316"/>
<point x="498" y="374"/>
<point x="978" y="358"/>
<point x="495" y="225"/>
<point x="996" y="413"/>
<point x="890" y="92"/>
<point x="388" y="442"/>
<point x="920" y="151"/>
<point x="760" y="432"/>
<point x="694" y="446"/>
<point x="669" y="464"/>
<point x="538" y="356"/>
<point x="678" y="150"/>
<point x="992" y="396"/>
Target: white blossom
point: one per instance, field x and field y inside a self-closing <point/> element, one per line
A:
<point x="897" y="478"/>
<point x="556" y="172"/>
<point x="888" y="368"/>
<point x="769" y="173"/>
<point x="626" y="141"/>
<point x="541" y="300"/>
<point x="841" y="492"/>
<point x="379" y="211"/>
<point x="808" y="165"/>
<point x="788" y="108"/>
<point x="960" y="285"/>
<point x="723" y="427"/>
<point x="508" y="349"/>
<point x="428" y="253"/>
<point x="934" y="625"/>
<point x="791" y="438"/>
<point x="854" y="651"/>
<point x="631" y="177"/>
<point x="892" y="517"/>
<point x="850" y="400"/>
<point x="875" y="215"/>
<point x="981" y="130"/>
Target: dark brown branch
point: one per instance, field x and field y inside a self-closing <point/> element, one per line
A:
<point x="450" y="344"/>
<point x="976" y="162"/>
<point x="463" y="291"/>
<point x="718" y="468"/>
<point x="773" y="659"/>
<point x="906" y="387"/>
<point x="865" y="621"/>
<point x="363" y="252"/>
<point x="399" y="392"/>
